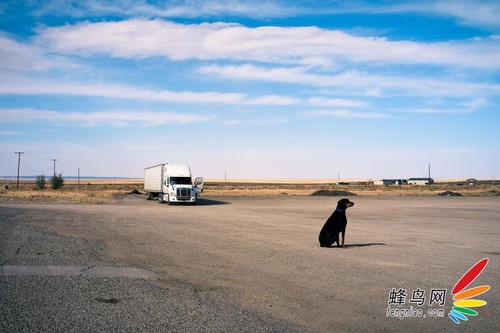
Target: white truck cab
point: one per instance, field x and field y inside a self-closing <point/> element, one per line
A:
<point x="172" y="183"/>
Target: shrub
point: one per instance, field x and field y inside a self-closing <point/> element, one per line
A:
<point x="57" y="181"/>
<point x="40" y="182"/>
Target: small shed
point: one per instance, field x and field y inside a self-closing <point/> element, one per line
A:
<point x="420" y="181"/>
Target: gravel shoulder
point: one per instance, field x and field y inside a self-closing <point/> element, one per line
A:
<point x="246" y="263"/>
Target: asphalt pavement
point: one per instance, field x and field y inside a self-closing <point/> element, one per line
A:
<point x="55" y="283"/>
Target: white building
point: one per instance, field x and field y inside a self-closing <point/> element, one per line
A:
<point x="420" y="181"/>
<point x="389" y="182"/>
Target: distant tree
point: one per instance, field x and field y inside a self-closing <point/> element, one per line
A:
<point x="57" y="181"/>
<point x="40" y="182"/>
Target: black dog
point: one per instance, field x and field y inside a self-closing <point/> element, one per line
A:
<point x="335" y="224"/>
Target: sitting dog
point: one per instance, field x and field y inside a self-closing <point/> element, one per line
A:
<point x="335" y="225"/>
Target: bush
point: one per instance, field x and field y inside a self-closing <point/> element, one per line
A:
<point x="57" y="181"/>
<point x="40" y="182"/>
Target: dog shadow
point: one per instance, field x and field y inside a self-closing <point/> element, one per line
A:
<point x="355" y="245"/>
<point x="363" y="245"/>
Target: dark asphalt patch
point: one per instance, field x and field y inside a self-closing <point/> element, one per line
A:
<point x="104" y="271"/>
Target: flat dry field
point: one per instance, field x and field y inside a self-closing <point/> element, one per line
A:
<point x="261" y="253"/>
<point x="108" y="190"/>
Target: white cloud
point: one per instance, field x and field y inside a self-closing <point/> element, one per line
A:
<point x="9" y="133"/>
<point x="440" y="111"/>
<point x="467" y="107"/>
<point x="343" y="114"/>
<point x="32" y="87"/>
<point x="267" y="122"/>
<point x="16" y="56"/>
<point x="290" y="75"/>
<point x="113" y="118"/>
<point x="355" y="82"/>
<point x="481" y="13"/>
<point x="321" y="101"/>
<point x="273" y="100"/>
<point x="183" y="9"/>
<point x="138" y="38"/>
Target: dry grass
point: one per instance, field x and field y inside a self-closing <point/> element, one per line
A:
<point x="102" y="192"/>
<point x="308" y="189"/>
<point x="110" y="191"/>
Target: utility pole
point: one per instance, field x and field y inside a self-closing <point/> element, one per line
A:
<point x="54" y="167"/>
<point x="19" y="153"/>
<point x="429" y="180"/>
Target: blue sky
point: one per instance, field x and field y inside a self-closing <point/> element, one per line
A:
<point x="251" y="89"/>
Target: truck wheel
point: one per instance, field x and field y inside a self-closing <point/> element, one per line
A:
<point x="168" y="200"/>
<point x="195" y="203"/>
<point x="160" y="198"/>
<point x="150" y="196"/>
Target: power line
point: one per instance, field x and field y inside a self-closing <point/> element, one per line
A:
<point x="31" y="169"/>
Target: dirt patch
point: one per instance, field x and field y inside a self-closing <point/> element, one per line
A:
<point x="332" y="193"/>
<point x="450" y="194"/>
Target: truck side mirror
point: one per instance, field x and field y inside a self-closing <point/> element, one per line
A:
<point x="198" y="183"/>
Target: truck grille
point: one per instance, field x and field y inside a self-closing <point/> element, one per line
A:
<point x="183" y="193"/>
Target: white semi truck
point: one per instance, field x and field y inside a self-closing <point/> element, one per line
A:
<point x="172" y="183"/>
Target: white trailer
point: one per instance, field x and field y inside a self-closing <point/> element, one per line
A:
<point x="172" y="183"/>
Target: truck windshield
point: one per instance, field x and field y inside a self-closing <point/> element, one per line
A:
<point x="180" y="180"/>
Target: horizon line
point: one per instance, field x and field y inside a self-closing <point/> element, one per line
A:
<point x="257" y="179"/>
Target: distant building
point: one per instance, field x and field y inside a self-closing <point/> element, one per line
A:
<point x="389" y="182"/>
<point x="420" y="181"/>
<point x="471" y="182"/>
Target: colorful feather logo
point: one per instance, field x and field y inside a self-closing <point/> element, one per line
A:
<point x="463" y="303"/>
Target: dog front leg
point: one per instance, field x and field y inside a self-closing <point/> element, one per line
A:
<point x="343" y="237"/>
